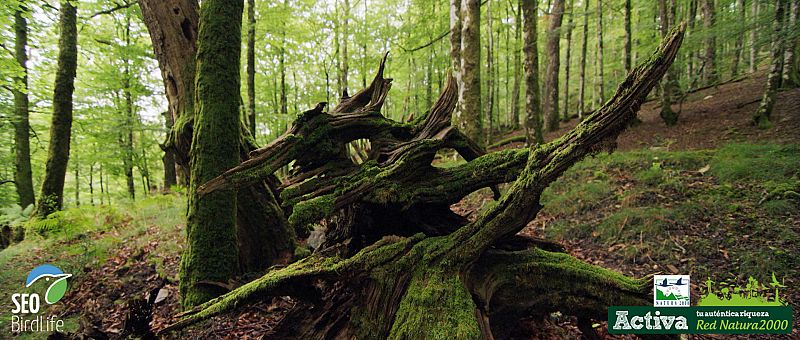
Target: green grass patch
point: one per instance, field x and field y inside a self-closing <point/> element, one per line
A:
<point x="84" y="237"/>
<point x="730" y="206"/>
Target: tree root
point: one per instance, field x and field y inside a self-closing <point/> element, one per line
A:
<point x="471" y="282"/>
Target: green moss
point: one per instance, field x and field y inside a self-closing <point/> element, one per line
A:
<point x="310" y="211"/>
<point x="436" y="305"/>
<point x="212" y="254"/>
<point x="748" y="162"/>
<point x="301" y="252"/>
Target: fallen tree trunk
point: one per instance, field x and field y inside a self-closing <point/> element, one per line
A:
<point x="437" y="275"/>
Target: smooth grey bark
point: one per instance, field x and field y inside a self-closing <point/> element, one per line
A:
<point x="551" y="112"/>
<point x="517" y="66"/>
<point x="791" y="74"/>
<point x="490" y="76"/>
<point x="762" y="116"/>
<point x="738" y="51"/>
<point x="533" y="118"/>
<point x="584" y="47"/>
<point x="754" y="36"/>
<point x="469" y="93"/>
<point x="568" y="58"/>
<point x="710" y="74"/>
<point x="666" y="9"/>
<point x="600" y="81"/>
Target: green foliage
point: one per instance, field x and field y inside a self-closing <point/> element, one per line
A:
<point x="14" y="215"/>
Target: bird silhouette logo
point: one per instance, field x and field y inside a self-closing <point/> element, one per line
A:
<point x="56" y="277"/>
<point x="665" y="283"/>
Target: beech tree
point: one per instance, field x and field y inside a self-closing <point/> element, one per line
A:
<point x="23" y="179"/>
<point x="211" y="254"/>
<point x="791" y="74"/>
<point x="551" y="88"/>
<point x="710" y="74"/>
<point x="469" y="93"/>
<point x="51" y="197"/>
<point x="263" y="236"/>
<point x="584" y="46"/>
<point x="533" y="118"/>
<point x="761" y="118"/>
<point x="669" y="86"/>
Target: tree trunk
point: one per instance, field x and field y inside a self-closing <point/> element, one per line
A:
<point x="23" y="180"/>
<point x="77" y="173"/>
<point x="130" y="119"/>
<point x="710" y="75"/>
<point x="173" y="31"/>
<point x="508" y="62"/>
<point x="666" y="9"/>
<point x="476" y="280"/>
<point x="761" y="118"/>
<point x="469" y="95"/>
<point x="533" y="118"/>
<point x="144" y="168"/>
<point x="282" y="65"/>
<point x="584" y="46"/>
<point x="517" y="67"/>
<point x="102" y="187"/>
<point x="791" y="74"/>
<point x="91" y="184"/>
<point x="551" y="113"/>
<point x="211" y="258"/>
<point x="738" y="51"/>
<point x="691" y="72"/>
<point x="428" y="78"/>
<point x="490" y="79"/>
<point x="626" y="60"/>
<point x="51" y="198"/>
<point x="601" y="86"/>
<point x="754" y="36"/>
<point x="568" y="60"/>
<point x="251" y="67"/>
<point x="455" y="36"/>
<point x="364" y="52"/>
<point x="264" y="238"/>
<point x="168" y="159"/>
<point x="345" y="41"/>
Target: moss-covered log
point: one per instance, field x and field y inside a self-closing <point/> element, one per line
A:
<point x="443" y="277"/>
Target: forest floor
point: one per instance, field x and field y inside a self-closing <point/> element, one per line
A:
<point x="687" y="199"/>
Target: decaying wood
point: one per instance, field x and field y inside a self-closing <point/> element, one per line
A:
<point x="397" y="262"/>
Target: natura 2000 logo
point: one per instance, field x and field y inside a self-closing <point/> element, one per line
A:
<point x="671" y="291"/>
<point x="29" y="303"/>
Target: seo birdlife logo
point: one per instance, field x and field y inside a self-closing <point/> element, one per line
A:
<point x="29" y="303"/>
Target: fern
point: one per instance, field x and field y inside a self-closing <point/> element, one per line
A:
<point x="52" y="223"/>
<point x="14" y="215"/>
